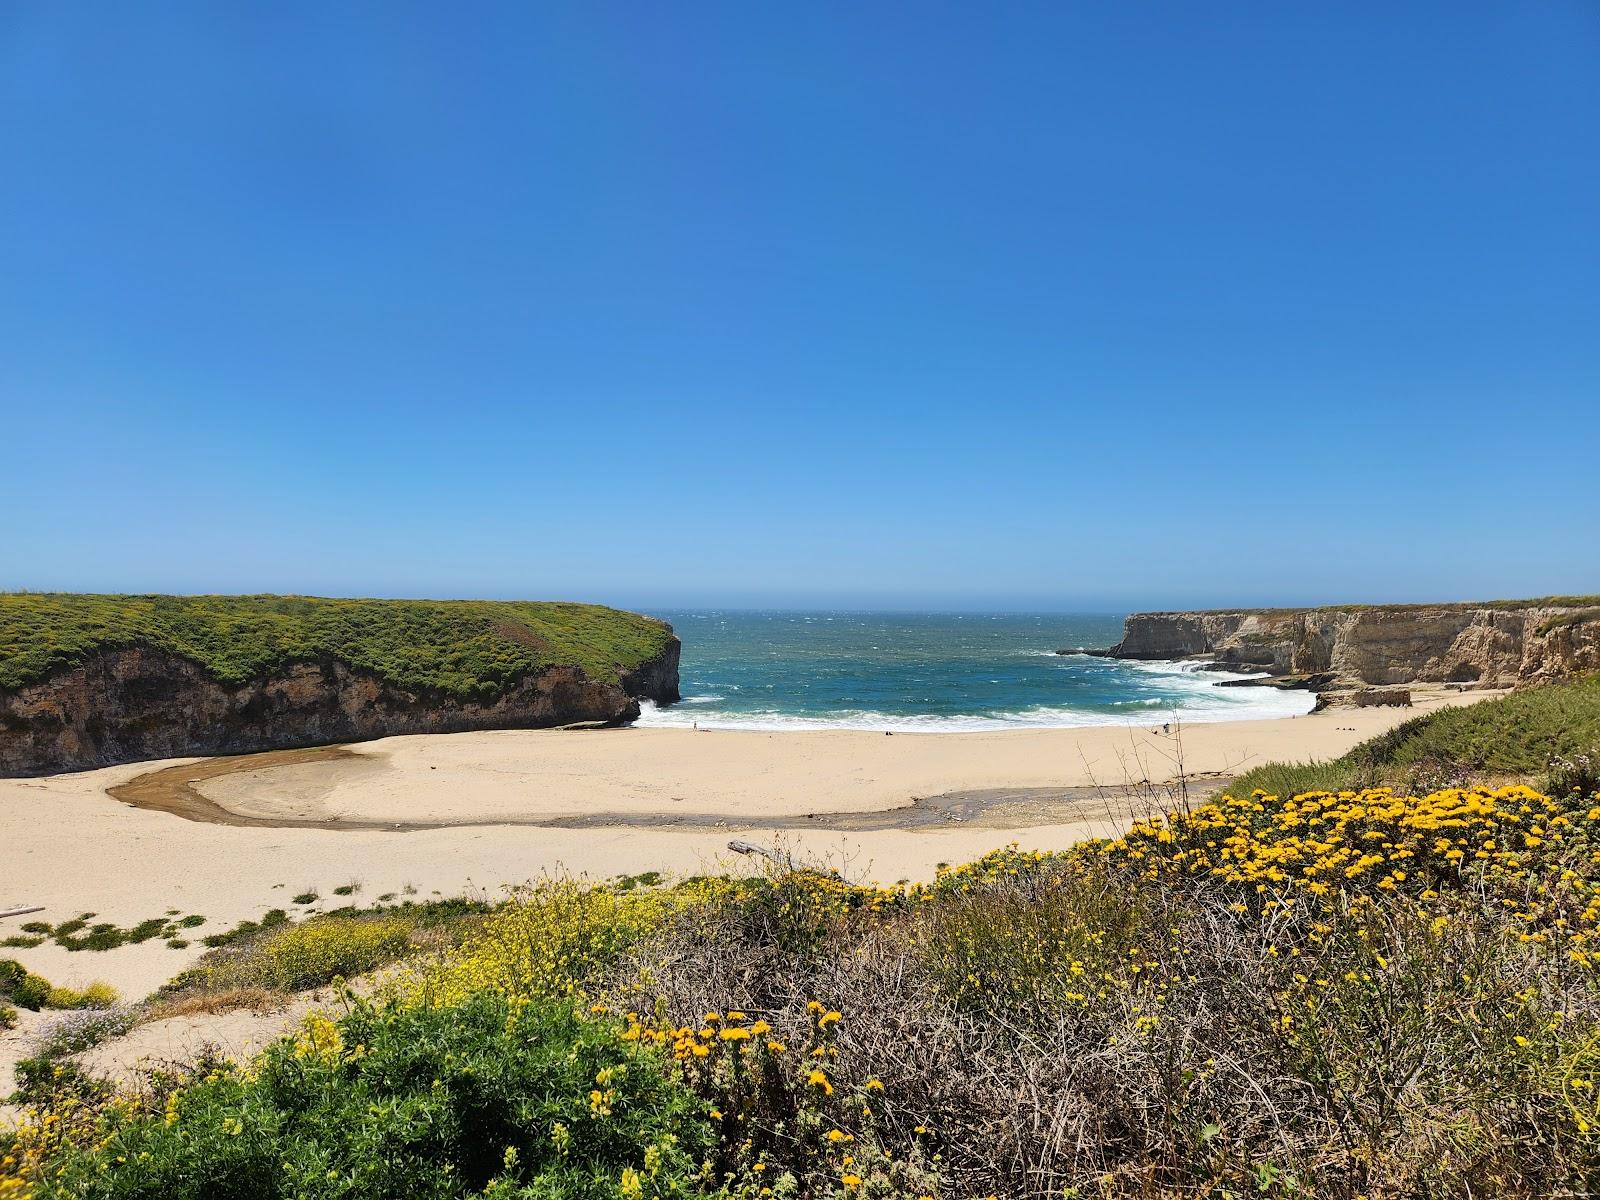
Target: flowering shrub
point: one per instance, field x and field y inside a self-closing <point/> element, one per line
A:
<point x="489" y="1098"/>
<point x="1535" y="858"/>
<point x="802" y="910"/>
<point x="1320" y="841"/>
<point x="546" y="940"/>
<point x="786" y="1123"/>
<point x="1175" y="1010"/>
<point x="1565" y="775"/>
<point x="98" y="994"/>
<point x="309" y="955"/>
<point x="32" y="1150"/>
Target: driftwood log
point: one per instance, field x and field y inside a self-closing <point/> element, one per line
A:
<point x="740" y="846"/>
<point x="20" y="912"/>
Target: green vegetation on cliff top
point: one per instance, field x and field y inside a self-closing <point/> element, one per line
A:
<point x="463" y="648"/>
<point x="1497" y="605"/>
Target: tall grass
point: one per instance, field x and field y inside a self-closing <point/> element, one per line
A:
<point x="1521" y="735"/>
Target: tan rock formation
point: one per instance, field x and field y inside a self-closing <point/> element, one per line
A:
<point x="1492" y="644"/>
<point x="141" y="703"/>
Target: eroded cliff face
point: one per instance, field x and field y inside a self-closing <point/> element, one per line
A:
<point x="141" y="703"/>
<point x="1454" y="643"/>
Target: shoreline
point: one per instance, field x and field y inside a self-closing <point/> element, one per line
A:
<point x="498" y="809"/>
<point x="1264" y="701"/>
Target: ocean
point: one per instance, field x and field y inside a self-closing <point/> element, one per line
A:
<point x="933" y="672"/>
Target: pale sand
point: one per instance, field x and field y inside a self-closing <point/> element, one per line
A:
<point x="168" y="1044"/>
<point x="66" y="845"/>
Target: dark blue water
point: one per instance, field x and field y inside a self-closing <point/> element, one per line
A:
<point x="932" y="671"/>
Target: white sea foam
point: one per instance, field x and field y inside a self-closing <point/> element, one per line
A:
<point x="1185" y="667"/>
<point x="1196" y="701"/>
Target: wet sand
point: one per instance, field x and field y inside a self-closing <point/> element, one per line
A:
<point x="181" y="790"/>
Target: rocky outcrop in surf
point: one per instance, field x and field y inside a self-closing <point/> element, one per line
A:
<point x="1497" y="644"/>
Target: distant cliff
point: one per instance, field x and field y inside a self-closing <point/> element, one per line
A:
<point x="88" y="681"/>
<point x="1498" y="643"/>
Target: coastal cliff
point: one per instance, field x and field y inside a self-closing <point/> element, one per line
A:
<point x="382" y="669"/>
<point x="1494" y="644"/>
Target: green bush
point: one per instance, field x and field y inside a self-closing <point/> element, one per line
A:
<point x="70" y="935"/>
<point x="270" y="919"/>
<point x="488" y="1098"/>
<point x="1577" y="774"/>
<point x="1528" y="733"/>
<point x="21" y="986"/>
<point x="1513" y="734"/>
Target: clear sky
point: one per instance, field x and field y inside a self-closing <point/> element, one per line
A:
<point x="1057" y="305"/>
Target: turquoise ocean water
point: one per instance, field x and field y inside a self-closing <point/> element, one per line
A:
<point x="933" y="672"/>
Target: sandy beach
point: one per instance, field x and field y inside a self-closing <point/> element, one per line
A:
<point x="481" y="811"/>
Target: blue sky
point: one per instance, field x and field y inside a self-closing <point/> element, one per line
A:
<point x="1058" y="305"/>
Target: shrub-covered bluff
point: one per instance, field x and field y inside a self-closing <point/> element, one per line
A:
<point x="88" y="681"/>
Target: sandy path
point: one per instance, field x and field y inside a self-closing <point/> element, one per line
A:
<point x="68" y="846"/>
<point x="168" y="1044"/>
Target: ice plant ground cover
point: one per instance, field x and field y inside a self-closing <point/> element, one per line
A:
<point x="1359" y="993"/>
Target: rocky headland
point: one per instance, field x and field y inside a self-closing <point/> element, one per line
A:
<point x="1359" y="648"/>
<point x="135" y="696"/>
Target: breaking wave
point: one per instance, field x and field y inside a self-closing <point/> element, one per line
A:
<point x="929" y="673"/>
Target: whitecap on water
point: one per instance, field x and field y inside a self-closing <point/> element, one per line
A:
<point x="1204" y="706"/>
